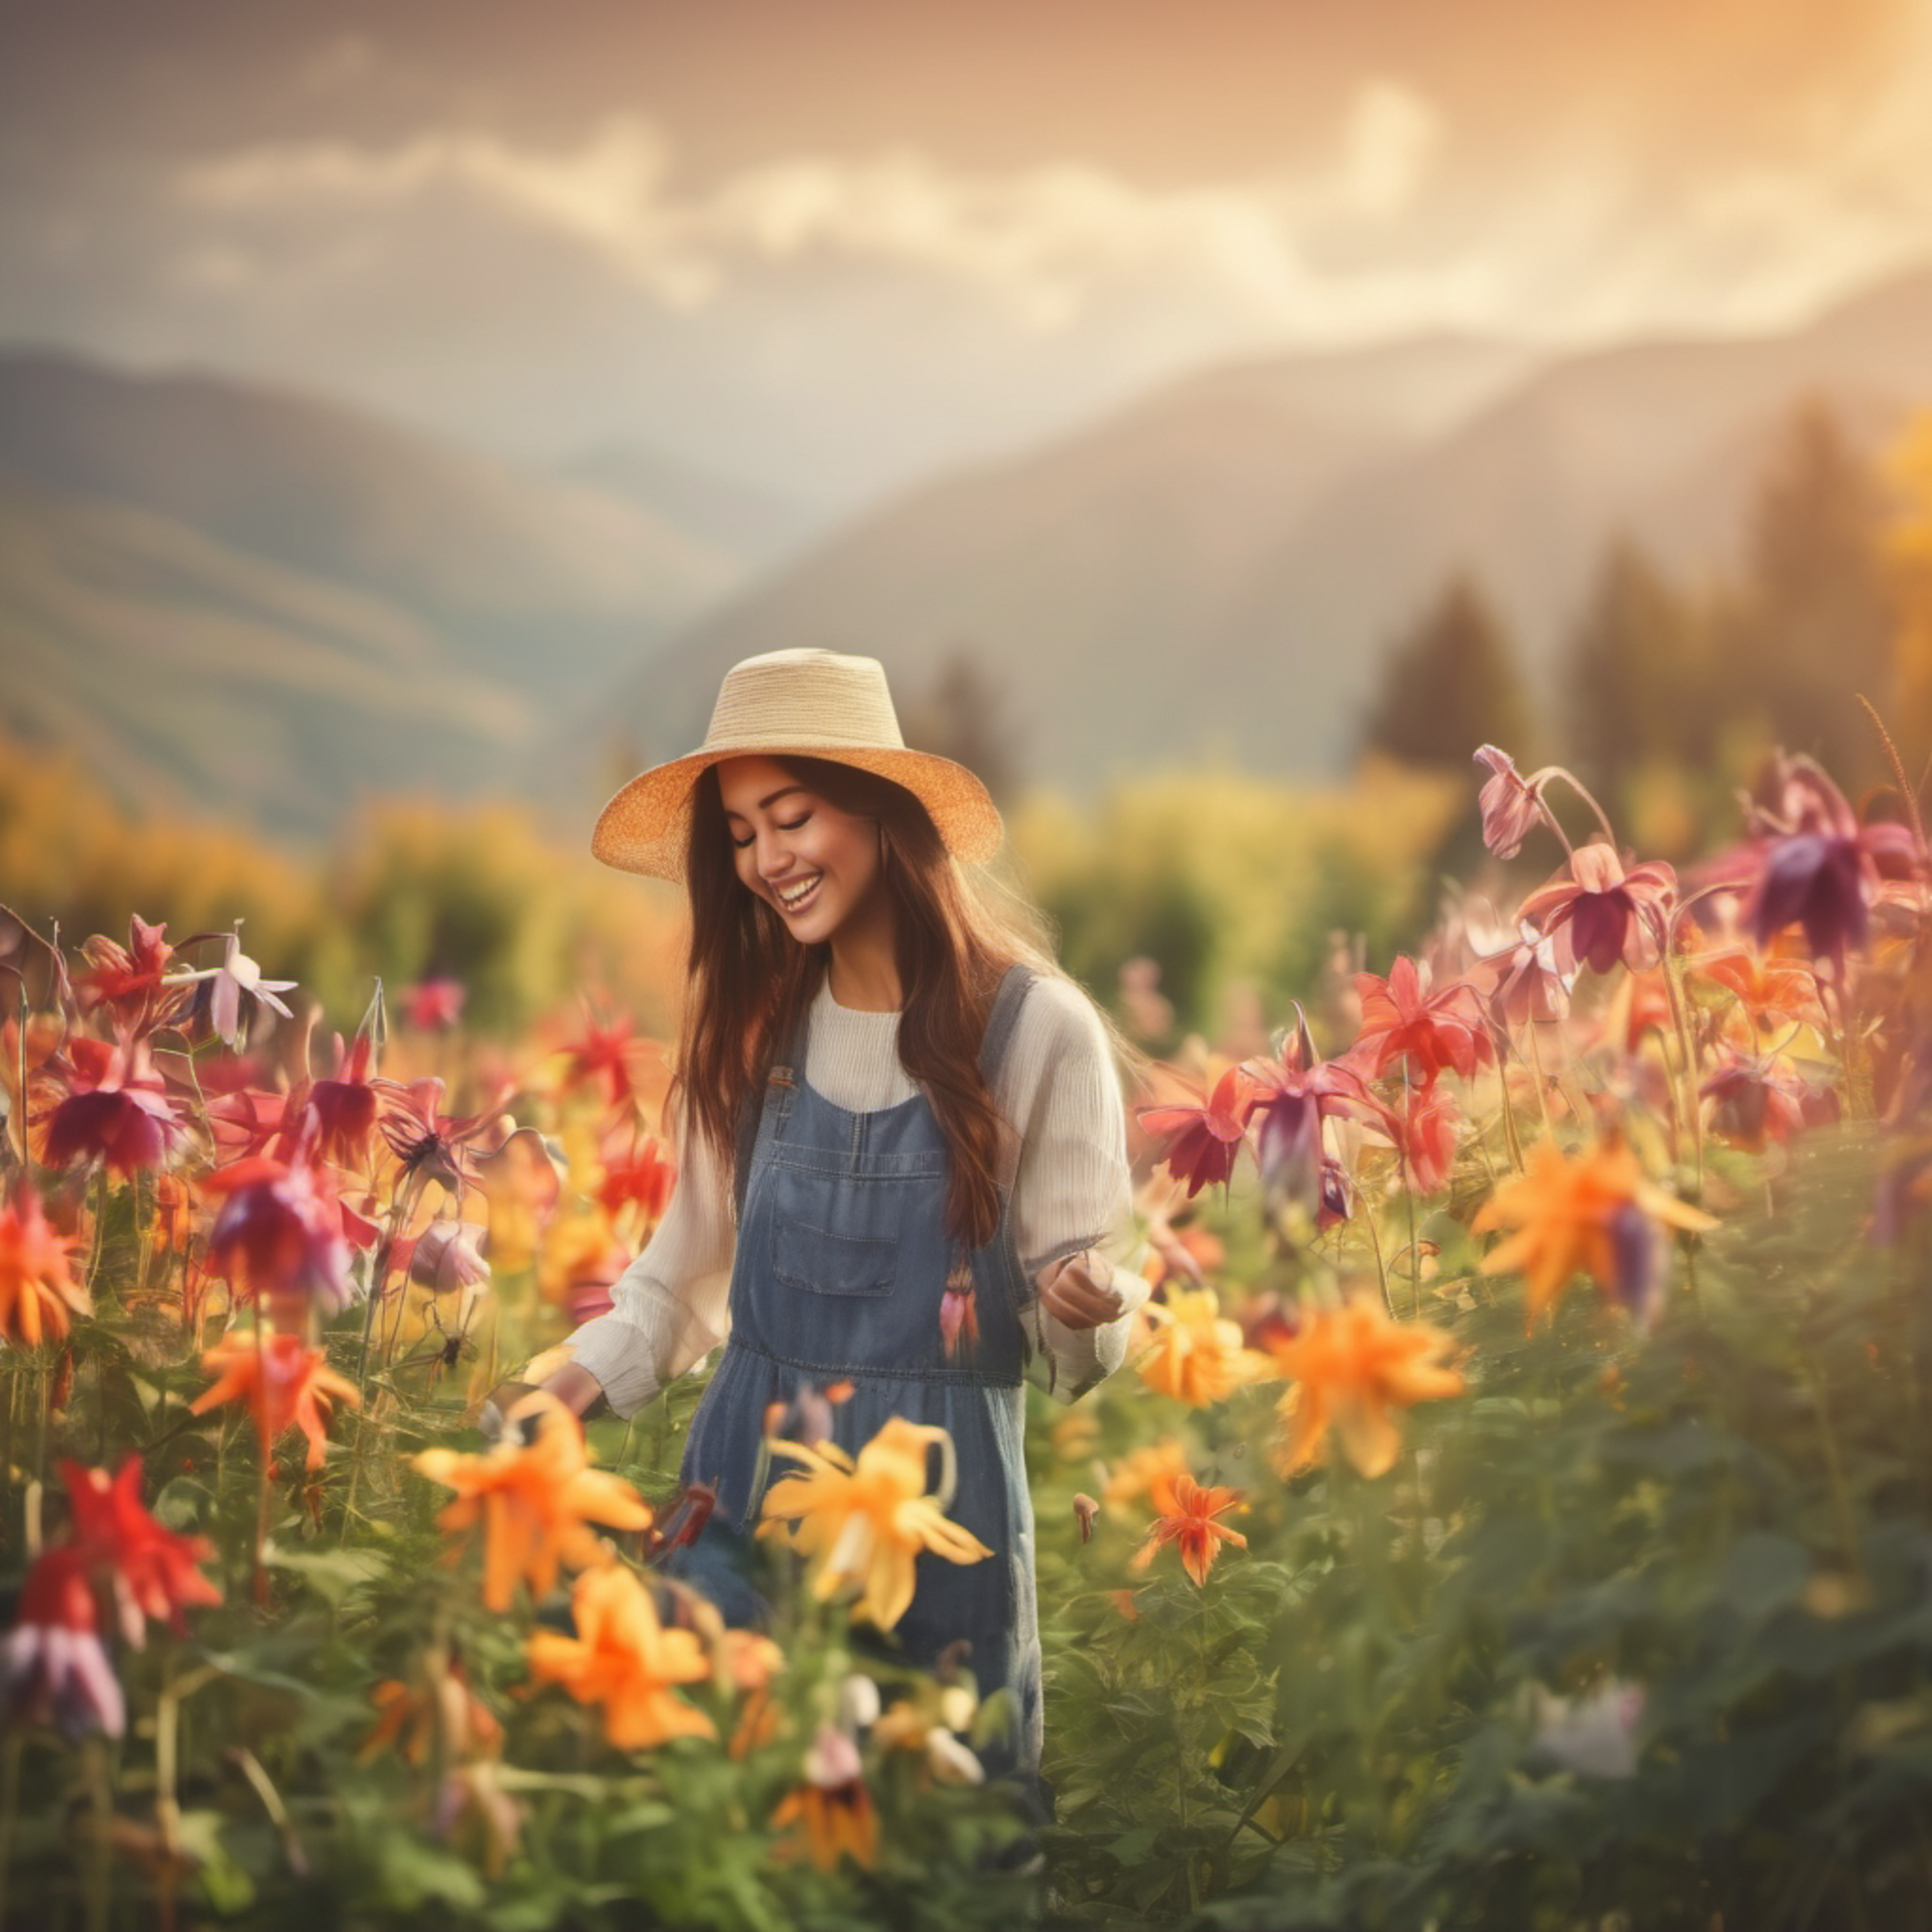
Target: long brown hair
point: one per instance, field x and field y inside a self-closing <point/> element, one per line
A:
<point x="750" y="980"/>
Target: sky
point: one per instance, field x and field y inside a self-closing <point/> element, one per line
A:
<point x="826" y="246"/>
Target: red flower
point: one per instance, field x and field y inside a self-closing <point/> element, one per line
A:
<point x="648" y="1177"/>
<point x="606" y="1052"/>
<point x="1605" y="913"/>
<point x="1426" y="1138"/>
<point x="1400" y="1015"/>
<point x="128" y="980"/>
<point x="116" y="1113"/>
<point x="1204" y="1140"/>
<point x="153" y="1571"/>
<point x="434" y="1004"/>
<point x="51" y="1660"/>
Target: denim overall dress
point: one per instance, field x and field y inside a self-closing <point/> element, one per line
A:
<point x="841" y="1265"/>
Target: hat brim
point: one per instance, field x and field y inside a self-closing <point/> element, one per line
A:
<point x="646" y="827"/>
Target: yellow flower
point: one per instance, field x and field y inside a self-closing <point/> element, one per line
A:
<point x="1593" y="1213"/>
<point x="1350" y="1366"/>
<point x="862" y="1523"/>
<point x="622" y="1658"/>
<point x="1197" y="1355"/>
<point x="535" y="1495"/>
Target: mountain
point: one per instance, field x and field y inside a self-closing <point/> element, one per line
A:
<point x="547" y="582"/>
<point x="1088" y="577"/>
<point x="747" y="524"/>
<point x="186" y="675"/>
<point x="1221" y="568"/>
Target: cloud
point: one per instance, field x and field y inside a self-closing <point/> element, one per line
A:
<point x="1039" y="241"/>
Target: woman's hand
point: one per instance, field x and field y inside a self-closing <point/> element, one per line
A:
<point x="1078" y="1292"/>
<point x="576" y="1388"/>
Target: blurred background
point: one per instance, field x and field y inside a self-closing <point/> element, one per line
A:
<point x="1220" y="420"/>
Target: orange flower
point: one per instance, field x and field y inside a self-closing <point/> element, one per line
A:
<point x="1597" y="1214"/>
<point x="1190" y="1527"/>
<point x="1150" y="1472"/>
<point x="285" y="1383"/>
<point x="1196" y="1355"/>
<point x="865" y="1522"/>
<point x="832" y="1810"/>
<point x="535" y="1495"/>
<point x="438" y="1707"/>
<point x="1775" y="994"/>
<point x="751" y="1662"/>
<point x="622" y="1658"/>
<point x="1350" y="1366"/>
<point x="38" y="1293"/>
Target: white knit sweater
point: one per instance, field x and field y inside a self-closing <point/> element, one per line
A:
<point x="1071" y="1192"/>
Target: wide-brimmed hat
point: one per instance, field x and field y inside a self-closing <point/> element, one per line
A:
<point x="794" y="703"/>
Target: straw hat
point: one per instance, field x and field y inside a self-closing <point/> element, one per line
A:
<point x="812" y="703"/>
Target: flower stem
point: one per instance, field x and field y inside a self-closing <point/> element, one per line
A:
<point x="9" y="1809"/>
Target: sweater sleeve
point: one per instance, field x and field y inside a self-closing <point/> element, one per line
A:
<point x="670" y="1306"/>
<point x="1071" y="1190"/>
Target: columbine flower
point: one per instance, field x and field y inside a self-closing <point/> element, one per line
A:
<point x="613" y="1055"/>
<point x="1202" y="1138"/>
<point x="285" y="1383"/>
<point x="344" y="1106"/>
<point x="1511" y="804"/>
<point x="1527" y="985"/>
<point x="1602" y="913"/>
<point x="1775" y="994"/>
<point x="429" y="1142"/>
<point x="645" y="1176"/>
<point x="536" y="1496"/>
<point x="115" y="1112"/>
<point x="279" y="1234"/>
<point x="1425" y="1138"/>
<point x="226" y="995"/>
<point x="51" y="1660"/>
<point x="1192" y="1526"/>
<point x="622" y="1658"/>
<point x="152" y="1571"/>
<point x="1295" y="1096"/>
<point x="448" y="1255"/>
<point x="434" y="1004"/>
<point x="1350" y="1366"/>
<point x="1815" y="866"/>
<point x="1197" y="1355"/>
<point x="862" y="1522"/>
<point x="129" y="979"/>
<point x="832" y="1810"/>
<point x="38" y="1292"/>
<point x="1402" y="1017"/>
<point x="1754" y="1100"/>
<point x="1597" y="1213"/>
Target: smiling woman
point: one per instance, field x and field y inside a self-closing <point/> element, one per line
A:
<point x="904" y="1156"/>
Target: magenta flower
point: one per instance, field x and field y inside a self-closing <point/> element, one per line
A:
<point x="428" y="1140"/>
<point x="1203" y="1139"/>
<point x="1295" y="1096"/>
<point x="1755" y="1100"/>
<point x="279" y="1233"/>
<point x="1600" y="912"/>
<point x="343" y="1106"/>
<point x="115" y="1112"/>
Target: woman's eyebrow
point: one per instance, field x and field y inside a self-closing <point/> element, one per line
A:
<point x="768" y="801"/>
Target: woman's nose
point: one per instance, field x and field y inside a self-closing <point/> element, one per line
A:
<point x="774" y="853"/>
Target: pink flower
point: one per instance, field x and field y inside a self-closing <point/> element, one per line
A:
<point x="1511" y="805"/>
<point x="1755" y="1100"/>
<point x="1203" y="1138"/>
<point x="1602" y="913"/>
<point x="449" y="1255"/>
<point x="1426" y="1138"/>
<point x="434" y="1004"/>
<point x="226" y="995"/>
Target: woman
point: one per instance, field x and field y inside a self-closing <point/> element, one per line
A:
<point x="903" y="1146"/>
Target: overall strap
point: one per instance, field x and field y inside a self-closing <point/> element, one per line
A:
<point x="1002" y="1021"/>
<point x="783" y="1073"/>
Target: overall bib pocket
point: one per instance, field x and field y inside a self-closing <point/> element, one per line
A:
<point x="824" y="1261"/>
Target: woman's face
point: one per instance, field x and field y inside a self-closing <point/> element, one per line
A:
<point x="815" y="864"/>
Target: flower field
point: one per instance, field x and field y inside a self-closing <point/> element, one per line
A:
<point x="1516" y="1510"/>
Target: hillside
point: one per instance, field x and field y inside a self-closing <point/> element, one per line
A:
<point x="183" y="674"/>
<point x="548" y="581"/>
<point x="1221" y="567"/>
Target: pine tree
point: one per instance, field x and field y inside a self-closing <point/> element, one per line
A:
<point x="1450" y="684"/>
